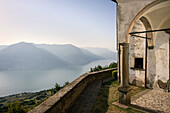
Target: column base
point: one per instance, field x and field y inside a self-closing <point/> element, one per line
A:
<point x="124" y="96"/>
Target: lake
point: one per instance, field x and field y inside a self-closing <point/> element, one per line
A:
<point x="13" y="82"/>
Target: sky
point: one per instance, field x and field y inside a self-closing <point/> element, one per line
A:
<point x="83" y="23"/>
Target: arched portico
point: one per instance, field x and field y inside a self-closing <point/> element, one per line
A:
<point x="153" y="16"/>
<point x="155" y="21"/>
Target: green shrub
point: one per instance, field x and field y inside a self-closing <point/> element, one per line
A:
<point x="114" y="74"/>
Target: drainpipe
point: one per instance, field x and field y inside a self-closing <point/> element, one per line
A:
<point x="119" y="78"/>
<point x="146" y="54"/>
<point x="168" y="82"/>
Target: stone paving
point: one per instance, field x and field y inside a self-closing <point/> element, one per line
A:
<point x="86" y="100"/>
<point x="156" y="99"/>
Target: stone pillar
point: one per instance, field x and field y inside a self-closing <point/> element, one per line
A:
<point x="124" y="97"/>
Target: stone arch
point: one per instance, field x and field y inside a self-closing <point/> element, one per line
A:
<point x="140" y="14"/>
<point x="148" y="27"/>
<point x="137" y="50"/>
<point x="158" y="57"/>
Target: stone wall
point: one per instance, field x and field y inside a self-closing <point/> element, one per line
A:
<point x="158" y="59"/>
<point x="63" y="99"/>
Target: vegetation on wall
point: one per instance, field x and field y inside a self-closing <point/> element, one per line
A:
<point x="99" y="68"/>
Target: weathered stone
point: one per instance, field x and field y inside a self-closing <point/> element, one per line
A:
<point x="162" y="84"/>
<point x="148" y="86"/>
<point x="155" y="85"/>
<point x="168" y="83"/>
<point x="155" y="99"/>
<point x="124" y="96"/>
<point x="137" y="82"/>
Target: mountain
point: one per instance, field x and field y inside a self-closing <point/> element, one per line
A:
<point x="2" y="47"/>
<point x="70" y="53"/>
<point x="44" y="56"/>
<point x="27" y="56"/>
<point x="103" y="52"/>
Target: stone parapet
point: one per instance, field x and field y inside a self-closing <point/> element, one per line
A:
<point x="64" y="98"/>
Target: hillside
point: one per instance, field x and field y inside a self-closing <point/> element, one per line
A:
<point x="103" y="52"/>
<point x="2" y="47"/>
<point x="70" y="53"/>
<point x="27" y="56"/>
<point x="45" y="56"/>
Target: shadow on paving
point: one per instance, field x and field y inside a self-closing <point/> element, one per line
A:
<point x="85" y="102"/>
<point x="101" y="103"/>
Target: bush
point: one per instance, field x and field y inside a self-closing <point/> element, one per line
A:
<point x="114" y="74"/>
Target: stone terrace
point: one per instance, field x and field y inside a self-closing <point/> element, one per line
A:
<point x="80" y="95"/>
<point x="84" y="103"/>
<point x="66" y="97"/>
<point x="156" y="99"/>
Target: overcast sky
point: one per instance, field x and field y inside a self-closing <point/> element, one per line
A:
<point x="83" y="23"/>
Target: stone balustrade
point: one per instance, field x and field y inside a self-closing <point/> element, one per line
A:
<point x="64" y="98"/>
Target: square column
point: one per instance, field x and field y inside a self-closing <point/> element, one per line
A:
<point x="124" y="89"/>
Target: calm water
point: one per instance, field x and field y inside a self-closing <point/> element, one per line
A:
<point x="12" y="82"/>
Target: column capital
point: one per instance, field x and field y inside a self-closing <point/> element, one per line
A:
<point x="114" y="1"/>
<point x="124" y="44"/>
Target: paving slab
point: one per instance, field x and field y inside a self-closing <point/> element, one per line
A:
<point x="120" y="105"/>
<point x="156" y="99"/>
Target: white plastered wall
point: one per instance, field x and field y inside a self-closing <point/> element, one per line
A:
<point x="137" y="50"/>
<point x="126" y="12"/>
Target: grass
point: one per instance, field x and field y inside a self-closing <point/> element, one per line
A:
<point x="108" y="94"/>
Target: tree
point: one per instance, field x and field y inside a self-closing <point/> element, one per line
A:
<point x="99" y="67"/>
<point x="91" y="69"/>
<point x="95" y="69"/>
<point x="57" y="87"/>
<point x="66" y="83"/>
<point x="113" y="65"/>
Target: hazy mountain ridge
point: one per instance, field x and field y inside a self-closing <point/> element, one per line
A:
<point x="27" y="56"/>
<point x="44" y="56"/>
<point x="2" y="47"/>
<point x="103" y="52"/>
<point x="71" y="53"/>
